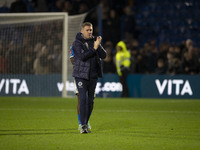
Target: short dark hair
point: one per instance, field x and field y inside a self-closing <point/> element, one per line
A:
<point x="86" y="24"/>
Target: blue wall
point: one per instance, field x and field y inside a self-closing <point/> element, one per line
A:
<point x="141" y="86"/>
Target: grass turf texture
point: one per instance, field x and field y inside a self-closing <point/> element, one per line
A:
<point x="136" y="124"/>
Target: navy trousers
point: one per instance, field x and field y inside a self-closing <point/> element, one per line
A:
<point x="86" y="89"/>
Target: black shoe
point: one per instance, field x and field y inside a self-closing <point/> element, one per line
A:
<point x="88" y="131"/>
<point x="84" y="129"/>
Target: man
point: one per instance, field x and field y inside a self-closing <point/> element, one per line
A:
<point x="71" y="56"/>
<point x="18" y="6"/>
<point x="88" y="53"/>
<point x="123" y="66"/>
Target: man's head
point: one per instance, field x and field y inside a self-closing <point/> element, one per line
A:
<point x="121" y="46"/>
<point x="87" y="30"/>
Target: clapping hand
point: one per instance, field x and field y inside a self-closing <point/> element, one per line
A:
<point x="97" y="42"/>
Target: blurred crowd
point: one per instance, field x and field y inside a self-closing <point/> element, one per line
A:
<point x="118" y="23"/>
<point x="73" y="7"/>
<point x="36" y="50"/>
<point x="150" y="59"/>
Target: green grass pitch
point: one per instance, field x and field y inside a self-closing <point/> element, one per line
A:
<point x="117" y="124"/>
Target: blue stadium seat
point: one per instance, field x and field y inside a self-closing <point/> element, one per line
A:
<point x="169" y="19"/>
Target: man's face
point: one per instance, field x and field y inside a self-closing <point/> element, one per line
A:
<point x="87" y="32"/>
<point x="118" y="48"/>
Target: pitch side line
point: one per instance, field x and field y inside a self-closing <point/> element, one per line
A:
<point x="99" y="110"/>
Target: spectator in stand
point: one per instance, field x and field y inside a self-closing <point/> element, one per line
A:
<point x="57" y="35"/>
<point x="171" y="49"/>
<point x="176" y="67"/>
<point x="50" y="46"/>
<point x="190" y="62"/>
<point x="188" y="43"/>
<point x="31" y="5"/>
<point x="173" y="64"/>
<point x="67" y="7"/>
<point x="3" y="66"/>
<point x="108" y="62"/>
<point x="169" y="61"/>
<point x="164" y="48"/>
<point x="27" y="66"/>
<point x="178" y="52"/>
<point x="40" y="5"/>
<point x="161" y="67"/>
<point x="4" y="8"/>
<point x="151" y="56"/>
<point x="75" y="4"/>
<point x="57" y="59"/>
<point x="41" y="63"/>
<point x="105" y="8"/>
<point x="18" y="6"/>
<point x="83" y="8"/>
<point x="37" y="48"/>
<point x="128" y="24"/>
<point x="141" y="62"/>
<point x="14" y="58"/>
<point x="147" y="58"/>
<point x="134" y="54"/>
<point x="58" y="6"/>
<point x="110" y="26"/>
<point x="28" y="55"/>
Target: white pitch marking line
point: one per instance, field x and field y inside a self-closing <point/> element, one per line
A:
<point x="99" y="110"/>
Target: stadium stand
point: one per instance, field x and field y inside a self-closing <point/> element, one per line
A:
<point x="152" y="29"/>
